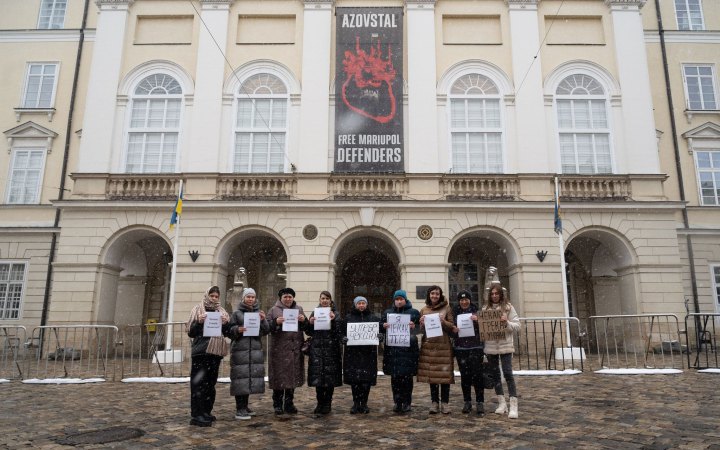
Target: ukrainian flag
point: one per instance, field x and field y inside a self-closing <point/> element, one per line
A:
<point x="558" y="219"/>
<point x="178" y="210"/>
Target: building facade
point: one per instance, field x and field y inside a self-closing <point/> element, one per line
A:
<point x="362" y="147"/>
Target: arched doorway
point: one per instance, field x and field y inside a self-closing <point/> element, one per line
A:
<point x="366" y="266"/>
<point x="134" y="279"/>
<point x="469" y="259"/>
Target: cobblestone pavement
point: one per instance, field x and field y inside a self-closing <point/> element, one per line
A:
<point x="581" y="411"/>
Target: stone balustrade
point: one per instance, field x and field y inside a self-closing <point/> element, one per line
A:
<point x="596" y="187"/>
<point x="272" y="186"/>
<point x="369" y="186"/>
<point x="142" y="187"/>
<point x="484" y="187"/>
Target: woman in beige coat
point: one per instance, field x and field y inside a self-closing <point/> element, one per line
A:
<point x="436" y="356"/>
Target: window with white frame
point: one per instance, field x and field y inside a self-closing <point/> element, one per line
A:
<point x="689" y="15"/>
<point x="583" y="126"/>
<point x="261" y="125"/>
<point x="12" y="288"/>
<point x="476" y="133"/>
<point x="26" y="171"/>
<point x="700" y="87"/>
<point x="52" y="14"/>
<point x="154" y="128"/>
<point x="708" y="168"/>
<point x="40" y="85"/>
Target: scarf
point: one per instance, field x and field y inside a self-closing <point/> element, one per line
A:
<point x="217" y="345"/>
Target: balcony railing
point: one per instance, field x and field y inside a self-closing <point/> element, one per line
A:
<point x="276" y="186"/>
<point x="482" y="187"/>
<point x="596" y="187"/>
<point x="358" y="187"/>
<point x="142" y="187"/>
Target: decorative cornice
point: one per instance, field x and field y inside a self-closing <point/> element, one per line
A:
<point x="223" y="5"/>
<point x="420" y="4"/>
<point x="522" y="4"/>
<point x="319" y="4"/>
<point x="113" y="4"/>
<point x="684" y="37"/>
<point x="624" y="5"/>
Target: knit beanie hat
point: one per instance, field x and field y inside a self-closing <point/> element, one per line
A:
<point x="359" y="299"/>
<point x="464" y="294"/>
<point x="247" y="291"/>
<point x="400" y="293"/>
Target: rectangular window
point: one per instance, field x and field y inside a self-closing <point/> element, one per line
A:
<point x="708" y="168"/>
<point x="584" y="136"/>
<point x="25" y="176"/>
<point x="40" y="85"/>
<point x="12" y="287"/>
<point x="689" y="15"/>
<point x="476" y="135"/>
<point x="700" y="87"/>
<point x="52" y="14"/>
<point x="260" y="135"/>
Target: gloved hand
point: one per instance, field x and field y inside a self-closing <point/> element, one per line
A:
<point x="344" y="340"/>
<point x="381" y="337"/>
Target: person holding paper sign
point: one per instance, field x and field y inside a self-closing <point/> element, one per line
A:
<point x="325" y="359"/>
<point x="286" y="368"/>
<point x="360" y="361"/>
<point x="501" y="351"/>
<point x="469" y="353"/>
<point x="436" y="356"/>
<point x="247" y="359"/>
<point x="401" y="362"/>
<point x="207" y="352"/>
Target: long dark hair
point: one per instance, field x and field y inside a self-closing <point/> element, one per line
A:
<point x="434" y="287"/>
<point x="504" y="299"/>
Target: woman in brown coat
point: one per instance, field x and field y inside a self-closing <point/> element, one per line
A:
<point x="286" y="368"/>
<point x="436" y="355"/>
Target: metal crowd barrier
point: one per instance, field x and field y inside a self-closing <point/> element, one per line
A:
<point x="642" y="341"/>
<point x="73" y="351"/>
<point x="12" y="352"/>
<point x="704" y="342"/>
<point x="542" y="344"/>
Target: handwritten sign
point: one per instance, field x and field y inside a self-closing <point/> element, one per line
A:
<point x="213" y="324"/>
<point x="362" y="333"/>
<point x="433" y="326"/>
<point x="491" y="328"/>
<point x="465" y="325"/>
<point x="252" y="324"/>
<point x="291" y="320"/>
<point x="322" y="318"/>
<point x="398" y="334"/>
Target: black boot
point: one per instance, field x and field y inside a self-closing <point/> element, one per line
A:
<point x="278" y="401"/>
<point x="467" y="407"/>
<point x="355" y="408"/>
<point x="480" y="409"/>
<point x="289" y="405"/>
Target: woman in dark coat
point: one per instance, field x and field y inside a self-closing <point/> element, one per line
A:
<point x="360" y="361"/>
<point x="247" y="359"/>
<point x="286" y="369"/>
<point x="325" y="358"/>
<point x="401" y="363"/>
<point x="469" y="354"/>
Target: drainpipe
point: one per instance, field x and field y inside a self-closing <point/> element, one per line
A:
<point x="678" y="165"/>
<point x="63" y="171"/>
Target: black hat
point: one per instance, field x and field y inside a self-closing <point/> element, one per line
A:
<point x="286" y="290"/>
<point x="464" y="294"/>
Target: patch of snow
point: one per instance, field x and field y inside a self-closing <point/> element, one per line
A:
<point x="639" y="371"/>
<point x="3" y="380"/>
<point x="224" y="380"/>
<point x="709" y="371"/>
<point x="63" y="380"/>
<point x="547" y="372"/>
<point x="156" y="380"/>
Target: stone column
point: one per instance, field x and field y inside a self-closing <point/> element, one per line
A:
<point x="96" y="143"/>
<point x="422" y="149"/>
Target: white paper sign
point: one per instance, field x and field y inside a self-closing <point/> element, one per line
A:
<point x="213" y="324"/>
<point x="398" y="334"/>
<point x="433" y="326"/>
<point x="465" y="325"/>
<point x="291" y="320"/>
<point x="322" y="318"/>
<point x="251" y="324"/>
<point x="363" y="333"/>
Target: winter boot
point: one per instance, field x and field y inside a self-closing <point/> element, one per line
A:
<point x="434" y="408"/>
<point x="445" y="408"/>
<point x="513" y="414"/>
<point x="480" y="409"/>
<point x="355" y="408"/>
<point x="289" y="405"/>
<point x="502" y="406"/>
<point x="278" y="402"/>
<point x="467" y="407"/>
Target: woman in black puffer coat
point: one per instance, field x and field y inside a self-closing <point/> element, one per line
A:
<point x="360" y="361"/>
<point x="325" y="358"/>
<point x="247" y="359"/>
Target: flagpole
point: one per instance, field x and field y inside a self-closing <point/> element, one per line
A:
<point x="563" y="275"/>
<point x="173" y="272"/>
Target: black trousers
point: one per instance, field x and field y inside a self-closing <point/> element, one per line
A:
<point x="402" y="388"/>
<point x="324" y="394"/>
<point x="444" y="391"/>
<point x="203" y="377"/>
<point x="242" y="401"/>
<point x="360" y="393"/>
<point x="283" y="394"/>
<point x="506" y="360"/>
<point x="470" y="364"/>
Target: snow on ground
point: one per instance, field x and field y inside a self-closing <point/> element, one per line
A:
<point x="3" y="380"/>
<point x="156" y="380"/>
<point x="709" y="371"/>
<point x="547" y="372"/>
<point x="64" y="380"/>
<point x="639" y="371"/>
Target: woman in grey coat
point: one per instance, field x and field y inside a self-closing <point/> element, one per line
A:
<point x="247" y="359"/>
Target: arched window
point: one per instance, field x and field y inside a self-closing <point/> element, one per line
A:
<point x="261" y="125"/>
<point x="154" y="125"/>
<point x="583" y="125"/>
<point x="475" y="125"/>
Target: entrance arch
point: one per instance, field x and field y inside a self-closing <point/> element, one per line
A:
<point x="134" y="278"/>
<point x="367" y="265"/>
